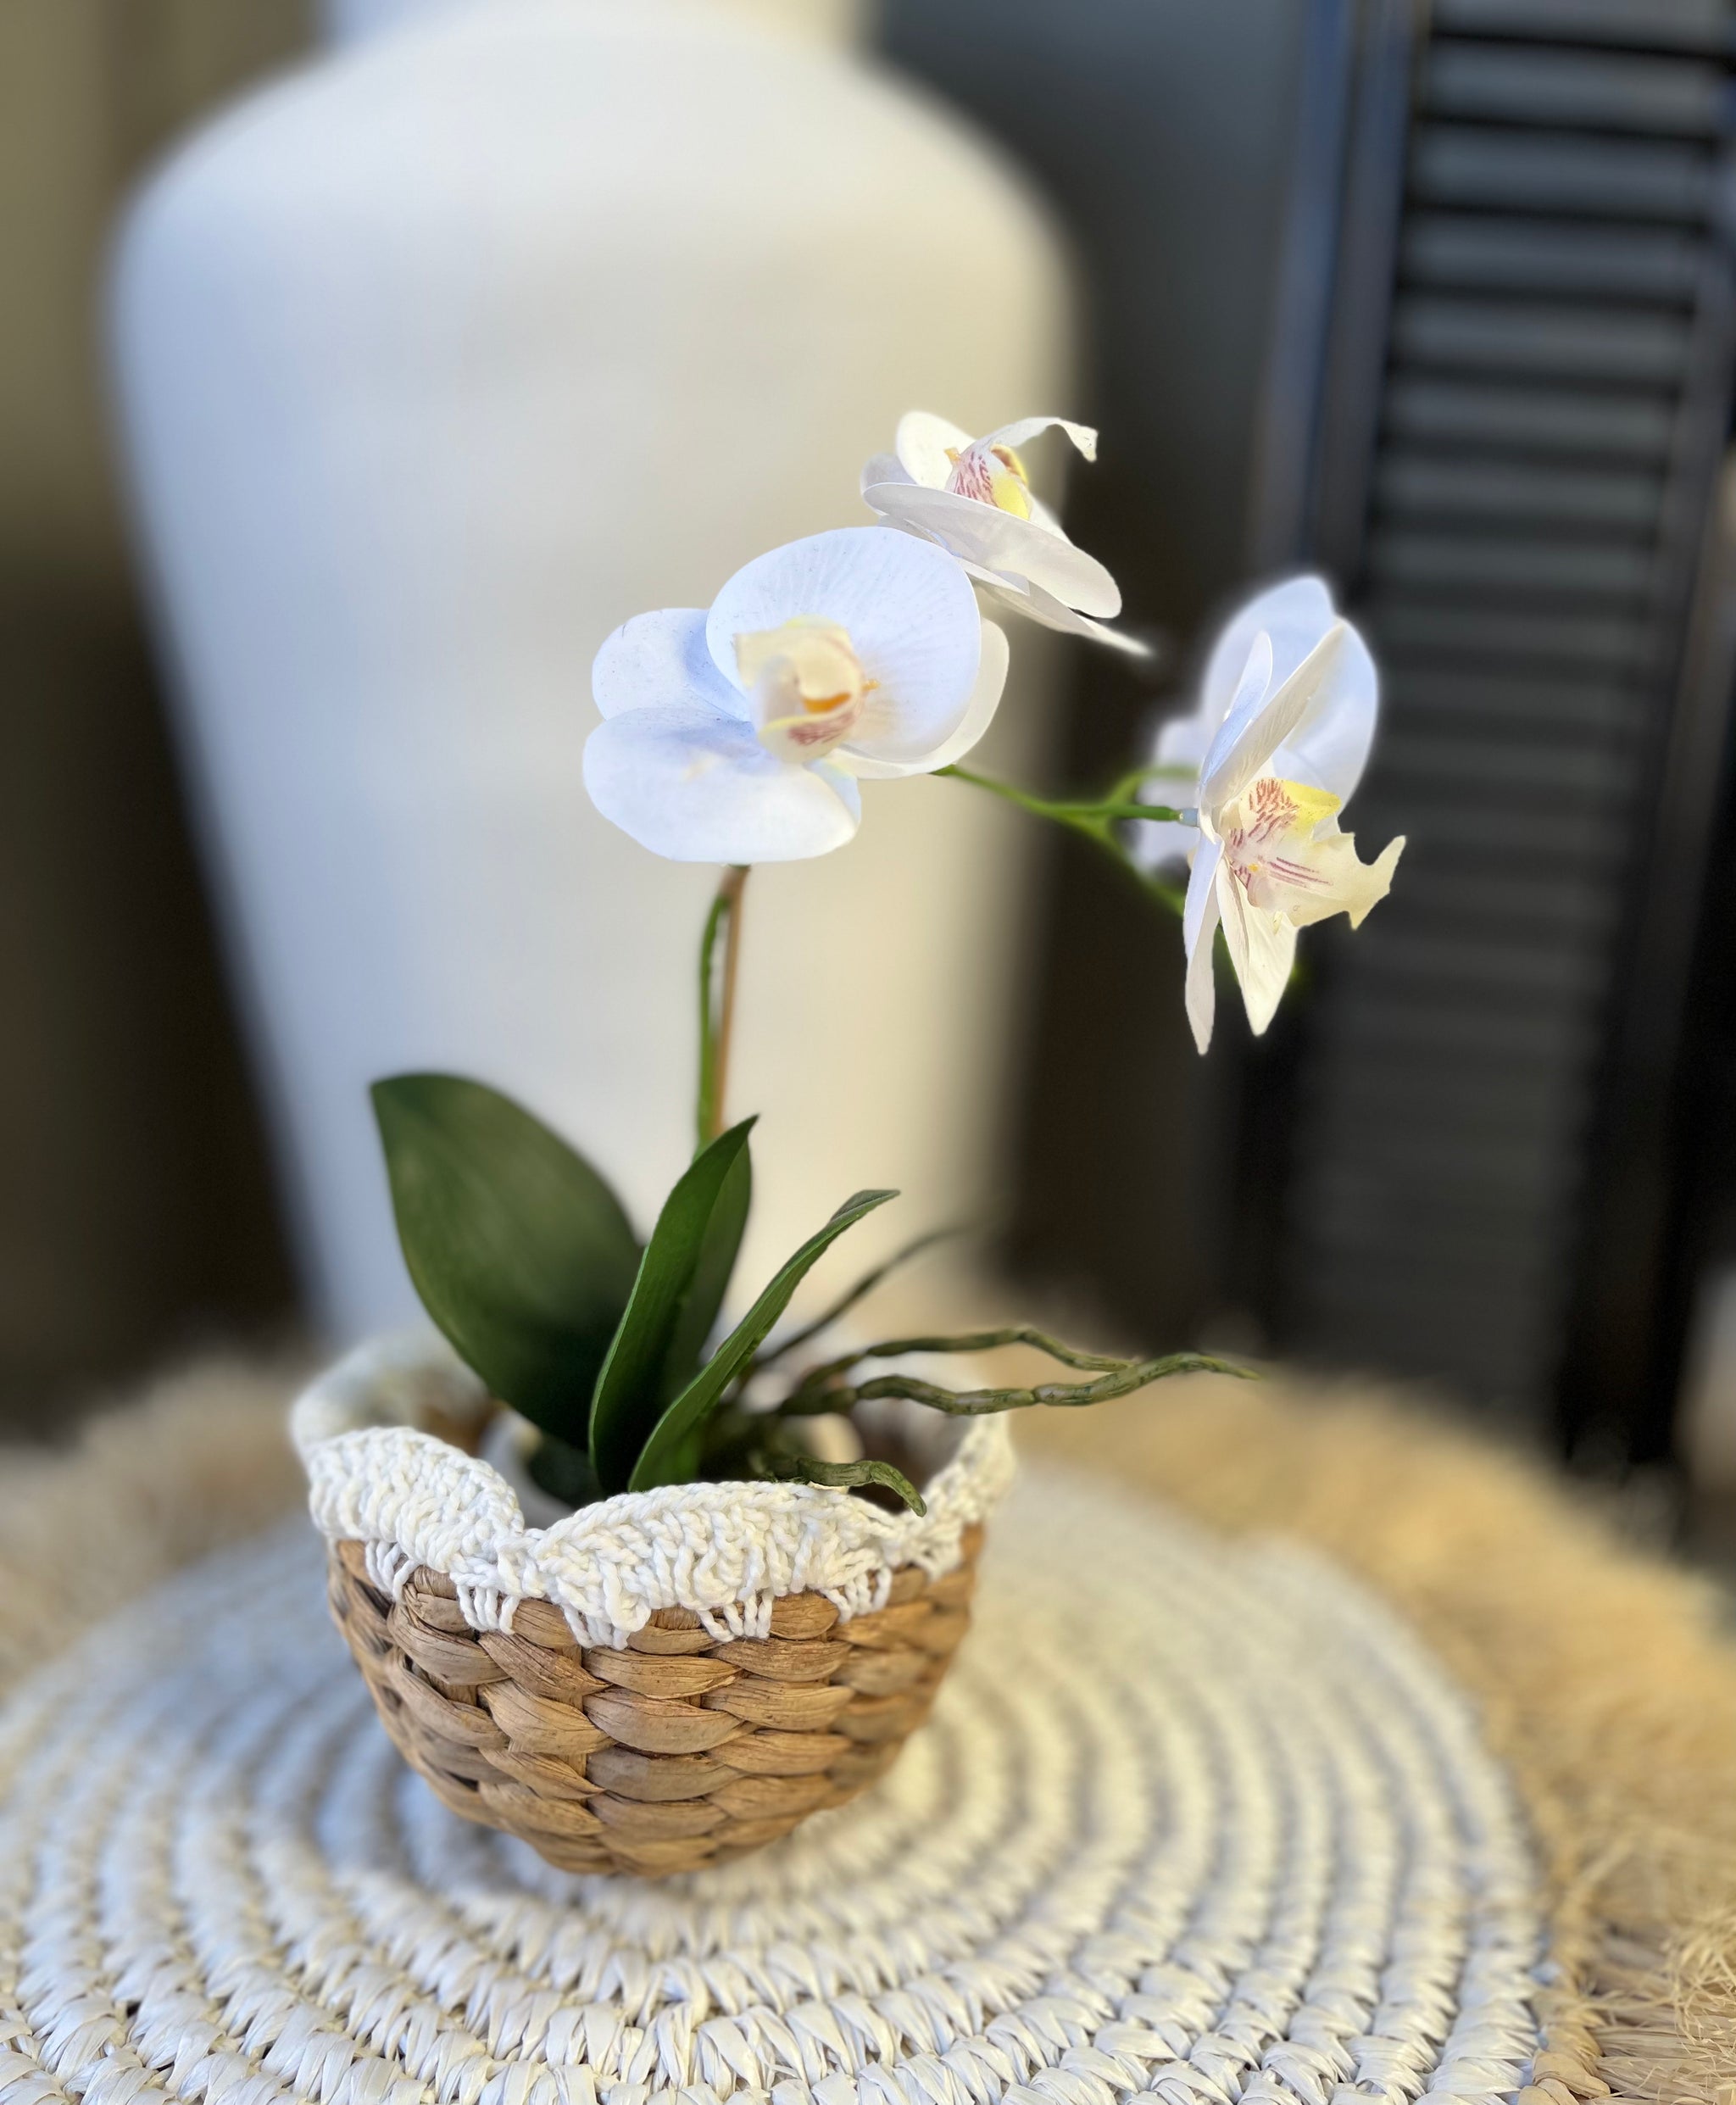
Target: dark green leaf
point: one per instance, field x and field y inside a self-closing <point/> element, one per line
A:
<point x="711" y="1278"/>
<point x="520" y="1250"/>
<point x="564" y="1471"/>
<point x="682" y="1275"/>
<point x="663" y="1453"/>
<point x="843" y="1476"/>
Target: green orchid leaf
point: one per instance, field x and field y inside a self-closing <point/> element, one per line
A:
<point x="521" y="1253"/>
<point x="711" y="1278"/>
<point x="675" y="1302"/>
<point x="843" y="1476"/>
<point x="564" y="1471"/>
<point x="672" y="1444"/>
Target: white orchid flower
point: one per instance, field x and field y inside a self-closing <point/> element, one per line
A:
<point x="973" y="497"/>
<point x="1280" y="740"/>
<point x="737" y="735"/>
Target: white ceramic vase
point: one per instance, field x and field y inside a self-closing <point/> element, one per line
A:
<point x="436" y="361"/>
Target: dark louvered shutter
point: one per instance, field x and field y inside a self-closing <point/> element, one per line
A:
<point x="1523" y="515"/>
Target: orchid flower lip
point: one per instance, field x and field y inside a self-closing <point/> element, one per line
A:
<point x="989" y="473"/>
<point x="806" y="685"/>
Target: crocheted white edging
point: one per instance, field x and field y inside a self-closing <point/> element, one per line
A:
<point x="726" y="1551"/>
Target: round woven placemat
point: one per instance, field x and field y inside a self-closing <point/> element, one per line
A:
<point x="1191" y="1816"/>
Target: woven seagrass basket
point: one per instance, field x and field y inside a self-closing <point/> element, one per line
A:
<point x="551" y="1683"/>
<point x="672" y="1752"/>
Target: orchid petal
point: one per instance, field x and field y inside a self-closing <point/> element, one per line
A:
<point x="925" y="445"/>
<point x="1295" y="615"/>
<point x="1314" y="879"/>
<point x="1251" y="689"/>
<point x="1252" y="692"/>
<point x="1256" y="727"/>
<point x="1000" y="541"/>
<point x="660" y="658"/>
<point x="1026" y="428"/>
<point x="883" y="468"/>
<point x="1332" y="748"/>
<point x="1202" y="881"/>
<point x="1201" y="994"/>
<point x="1262" y="947"/>
<point x="979" y="714"/>
<point x="1039" y="606"/>
<point x="696" y="785"/>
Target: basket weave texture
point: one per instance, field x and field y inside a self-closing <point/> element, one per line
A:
<point x="676" y="1750"/>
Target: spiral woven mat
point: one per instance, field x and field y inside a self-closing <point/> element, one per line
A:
<point x="1607" y="1681"/>
<point x="1191" y="1817"/>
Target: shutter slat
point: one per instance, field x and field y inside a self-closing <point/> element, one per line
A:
<point x="1697" y="25"/>
<point x="1594" y="90"/>
<point x="1544" y="256"/>
<point x="1447" y="486"/>
<point x="1573" y="342"/>
<point x="1529" y="419"/>
<point x="1510" y="568"/>
<point x="1502" y="702"/>
<point x="1540" y="172"/>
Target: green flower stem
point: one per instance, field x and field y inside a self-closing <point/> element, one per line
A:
<point x="1136" y="778"/>
<point x="1088" y="813"/>
<point x="717" y="1003"/>
<point x="1095" y="819"/>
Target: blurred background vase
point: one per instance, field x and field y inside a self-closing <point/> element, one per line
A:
<point x="437" y="360"/>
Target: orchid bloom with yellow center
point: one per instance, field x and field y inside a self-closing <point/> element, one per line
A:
<point x="973" y="496"/>
<point x="1281" y="737"/>
<point x="807" y="684"/>
<point x="739" y="734"/>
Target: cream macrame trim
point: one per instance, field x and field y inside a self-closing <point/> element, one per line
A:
<point x="725" y="1550"/>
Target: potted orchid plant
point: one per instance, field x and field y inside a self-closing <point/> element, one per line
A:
<point x="758" y="1542"/>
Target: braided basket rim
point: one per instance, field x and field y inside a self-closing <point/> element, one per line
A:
<point x="372" y="1433"/>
